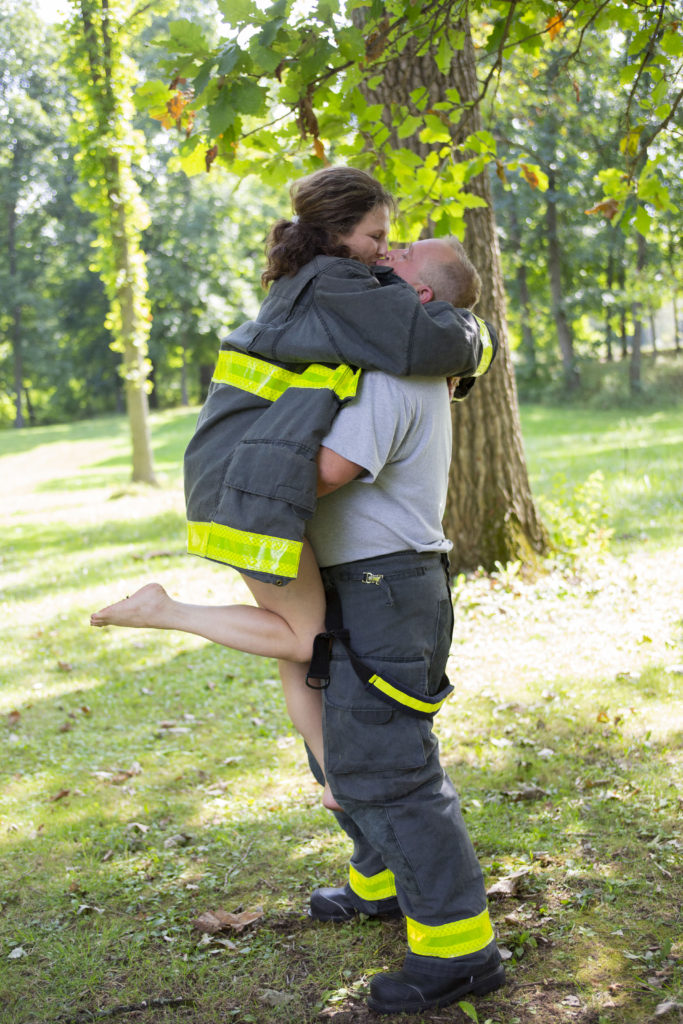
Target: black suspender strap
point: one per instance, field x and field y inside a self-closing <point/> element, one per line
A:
<point x="386" y="689"/>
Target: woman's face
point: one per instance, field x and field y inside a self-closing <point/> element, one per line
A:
<point x="367" y="240"/>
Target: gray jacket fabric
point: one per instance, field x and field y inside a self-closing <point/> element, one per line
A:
<point x="250" y="468"/>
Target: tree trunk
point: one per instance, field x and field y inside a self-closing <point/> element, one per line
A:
<point x="490" y="517"/>
<point x="184" y="397"/>
<point x="15" y="328"/>
<point x="623" y="333"/>
<point x="677" y="336"/>
<point x="564" y="333"/>
<point x="634" y="376"/>
<point x="134" y="351"/>
<point x="609" y="333"/>
<point x="528" y="343"/>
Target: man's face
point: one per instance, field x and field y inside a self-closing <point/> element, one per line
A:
<point x="408" y="262"/>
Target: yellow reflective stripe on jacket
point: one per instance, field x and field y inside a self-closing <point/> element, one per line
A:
<point x="259" y="377"/>
<point x="458" y="938"/>
<point x="376" y="887"/>
<point x="244" y="550"/>
<point x="487" y="346"/>
<point x="430" y="707"/>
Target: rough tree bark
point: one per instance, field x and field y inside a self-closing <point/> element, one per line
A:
<point x="491" y="516"/>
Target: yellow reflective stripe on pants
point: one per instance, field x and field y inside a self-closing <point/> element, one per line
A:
<point x="244" y="550"/>
<point x="458" y="938"/>
<point x="376" y="887"/>
<point x="487" y="345"/>
<point x="259" y="377"/>
<point x="400" y="697"/>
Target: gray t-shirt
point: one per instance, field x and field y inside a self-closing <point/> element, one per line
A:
<point x="399" y="430"/>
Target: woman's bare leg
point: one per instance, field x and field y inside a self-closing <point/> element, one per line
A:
<point x="283" y="626"/>
<point x="305" y="709"/>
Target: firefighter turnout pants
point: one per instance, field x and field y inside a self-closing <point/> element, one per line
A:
<point x="382" y="762"/>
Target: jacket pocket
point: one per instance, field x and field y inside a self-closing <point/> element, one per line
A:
<point x="275" y="470"/>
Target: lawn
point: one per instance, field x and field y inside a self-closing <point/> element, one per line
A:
<point x="149" y="778"/>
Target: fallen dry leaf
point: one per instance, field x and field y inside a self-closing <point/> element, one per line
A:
<point x="60" y="795"/>
<point x="212" y="921"/>
<point x="509" y="885"/>
<point x="13" y="717"/>
<point x="525" y="792"/>
<point x="666" y="1007"/>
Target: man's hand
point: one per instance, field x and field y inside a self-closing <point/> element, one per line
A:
<point x="334" y="471"/>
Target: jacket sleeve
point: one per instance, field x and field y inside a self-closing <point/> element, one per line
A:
<point x="350" y="317"/>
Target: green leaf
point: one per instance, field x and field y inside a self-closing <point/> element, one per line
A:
<point x="408" y="127"/>
<point x="642" y="220"/>
<point x="200" y="83"/>
<point x="247" y="96"/>
<point x="188" y="38"/>
<point x="627" y="74"/>
<point x="469" y="1011"/>
<point x="192" y="155"/>
<point x="269" y="31"/>
<point x="222" y="112"/>
<point x="154" y="93"/>
<point x="237" y="12"/>
<point x="264" y="60"/>
<point x="444" y="55"/>
<point x="672" y="44"/>
<point x="228" y="58"/>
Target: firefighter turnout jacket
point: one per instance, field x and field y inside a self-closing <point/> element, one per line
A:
<point x="250" y="468"/>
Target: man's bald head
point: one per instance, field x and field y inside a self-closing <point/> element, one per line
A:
<point x="438" y="268"/>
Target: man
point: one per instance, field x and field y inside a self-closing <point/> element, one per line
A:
<point x="383" y="473"/>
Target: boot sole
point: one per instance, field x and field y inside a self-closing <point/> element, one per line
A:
<point x="479" y="987"/>
<point x="392" y="915"/>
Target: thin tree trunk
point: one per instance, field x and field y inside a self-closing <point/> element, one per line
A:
<point x="16" y="309"/>
<point x="184" y="399"/>
<point x="528" y="343"/>
<point x="609" y="333"/>
<point x="135" y="369"/>
<point x="564" y="333"/>
<point x="623" y="333"/>
<point x="653" y="334"/>
<point x="635" y="379"/>
<point x="677" y="336"/>
<point x="490" y="517"/>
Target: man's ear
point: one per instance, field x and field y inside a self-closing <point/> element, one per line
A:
<point x="425" y="293"/>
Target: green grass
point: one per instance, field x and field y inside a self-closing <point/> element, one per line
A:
<point x="114" y="742"/>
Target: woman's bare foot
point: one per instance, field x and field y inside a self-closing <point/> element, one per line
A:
<point x="146" y="607"/>
<point x="328" y="800"/>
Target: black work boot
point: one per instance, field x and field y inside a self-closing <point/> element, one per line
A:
<point x="336" y="905"/>
<point x="410" y="991"/>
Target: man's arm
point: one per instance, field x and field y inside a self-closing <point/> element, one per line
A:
<point x="334" y="471"/>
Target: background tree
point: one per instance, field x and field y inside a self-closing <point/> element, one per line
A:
<point x="32" y="144"/>
<point x="98" y="37"/>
